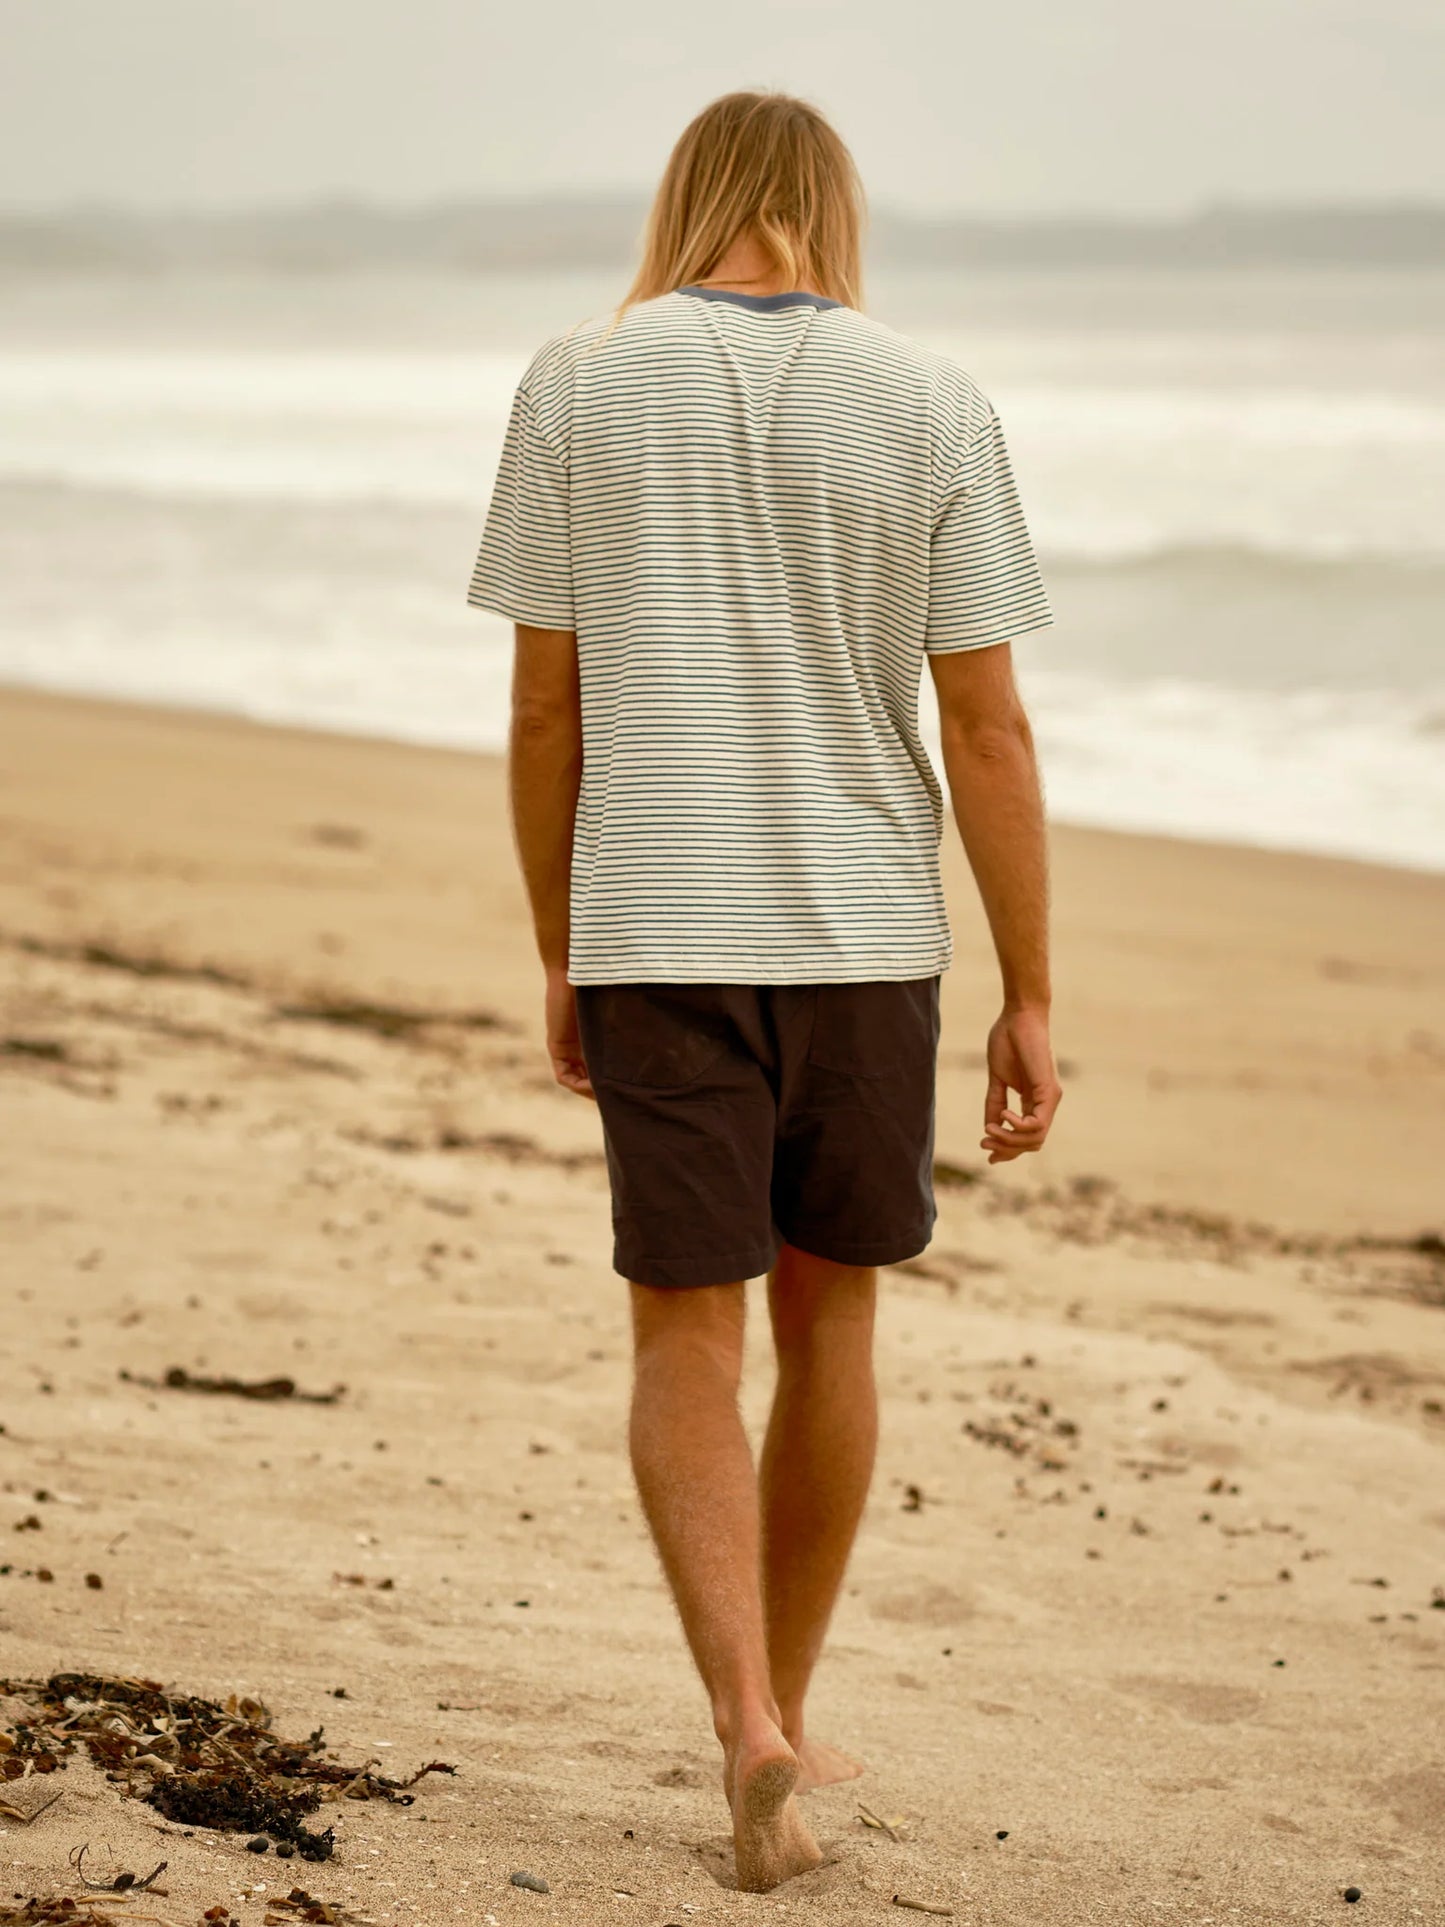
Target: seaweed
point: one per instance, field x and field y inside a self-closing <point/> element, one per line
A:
<point x="197" y="1762"/>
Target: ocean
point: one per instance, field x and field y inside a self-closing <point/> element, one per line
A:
<point x="261" y="493"/>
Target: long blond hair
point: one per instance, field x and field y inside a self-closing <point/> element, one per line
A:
<point x="766" y="163"/>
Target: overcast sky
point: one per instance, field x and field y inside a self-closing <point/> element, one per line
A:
<point x="1013" y="106"/>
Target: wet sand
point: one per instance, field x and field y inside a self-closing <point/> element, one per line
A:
<point x="1160" y="1411"/>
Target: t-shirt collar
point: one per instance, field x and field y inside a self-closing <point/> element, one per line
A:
<point x="762" y="303"/>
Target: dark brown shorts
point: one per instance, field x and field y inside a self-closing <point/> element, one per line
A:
<point x="737" y="1116"/>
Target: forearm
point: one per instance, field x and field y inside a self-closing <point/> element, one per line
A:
<point x="993" y="780"/>
<point x="544" y="776"/>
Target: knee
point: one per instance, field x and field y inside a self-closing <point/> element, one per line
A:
<point x="820" y="1309"/>
<point x="684" y="1333"/>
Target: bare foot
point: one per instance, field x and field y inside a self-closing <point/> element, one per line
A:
<point x="820" y="1765"/>
<point x="771" y="1840"/>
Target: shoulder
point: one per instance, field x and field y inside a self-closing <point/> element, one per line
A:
<point x="956" y="408"/>
<point x="556" y="364"/>
<point x="956" y="404"/>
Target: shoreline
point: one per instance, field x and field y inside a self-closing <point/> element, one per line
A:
<point x="1070" y="826"/>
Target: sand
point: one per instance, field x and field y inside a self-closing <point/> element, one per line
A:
<point x="1140" y="1625"/>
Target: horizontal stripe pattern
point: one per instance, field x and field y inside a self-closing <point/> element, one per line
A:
<point x="757" y="516"/>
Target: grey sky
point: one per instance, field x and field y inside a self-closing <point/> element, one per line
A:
<point x="1010" y="106"/>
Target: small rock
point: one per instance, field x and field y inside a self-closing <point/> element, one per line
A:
<point x="284" y="1850"/>
<point x="258" y="1845"/>
<point x="1002" y="1834"/>
<point x="533" y="1882"/>
<point x="1353" y="1893"/>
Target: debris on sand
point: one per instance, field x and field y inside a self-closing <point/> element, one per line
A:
<point x="1024" y="1426"/>
<point x="37" y="1050"/>
<point x="923" y="1907"/>
<point x="533" y="1882"/>
<point x="57" y="1910"/>
<point x="197" y="1762"/>
<point x="300" y="1905"/>
<point x="121" y="1883"/>
<point x="395" y="1022"/>
<point x="896" y="1827"/>
<point x="178" y="1379"/>
<point x="955" y="1177"/>
<point x="101" y="955"/>
<point x="1094" y="1211"/>
<point x="20" y="1815"/>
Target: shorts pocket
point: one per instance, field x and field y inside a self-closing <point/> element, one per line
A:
<point x="875" y="1030"/>
<point x="658" y="1037"/>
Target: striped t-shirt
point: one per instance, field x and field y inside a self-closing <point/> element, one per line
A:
<point x="756" y="513"/>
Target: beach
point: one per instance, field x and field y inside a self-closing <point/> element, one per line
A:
<point x="1147" y="1616"/>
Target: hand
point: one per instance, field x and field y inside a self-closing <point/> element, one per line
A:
<point x="1020" y="1058"/>
<point x="564" y="1044"/>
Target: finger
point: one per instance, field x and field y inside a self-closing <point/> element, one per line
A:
<point x="571" y="1074"/>
<point x="996" y="1101"/>
<point x="999" y="1154"/>
<point x="1005" y="1150"/>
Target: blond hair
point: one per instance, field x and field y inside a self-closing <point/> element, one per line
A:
<point x="763" y="163"/>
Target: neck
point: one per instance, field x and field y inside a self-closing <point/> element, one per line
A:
<point x="747" y="268"/>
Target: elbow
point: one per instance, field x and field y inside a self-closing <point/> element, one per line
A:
<point x="991" y="741"/>
<point x="545" y="721"/>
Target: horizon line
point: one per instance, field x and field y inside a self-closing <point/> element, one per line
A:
<point x="617" y="200"/>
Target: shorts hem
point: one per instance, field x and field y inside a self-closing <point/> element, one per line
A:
<point x="685" y="1273"/>
<point x="878" y="1251"/>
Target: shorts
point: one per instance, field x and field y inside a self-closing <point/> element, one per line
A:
<point x="740" y="1116"/>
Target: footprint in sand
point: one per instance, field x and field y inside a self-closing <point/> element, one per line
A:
<point x="1202" y="1701"/>
<point x="930" y="1605"/>
<point x="1416" y="1799"/>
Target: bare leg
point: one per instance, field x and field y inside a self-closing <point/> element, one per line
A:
<point x="699" y="1492"/>
<point x="817" y="1463"/>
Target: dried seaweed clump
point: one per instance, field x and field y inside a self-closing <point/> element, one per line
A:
<point x="57" y="1910"/>
<point x="198" y="1762"/>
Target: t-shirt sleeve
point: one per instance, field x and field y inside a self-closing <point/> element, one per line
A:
<point x="984" y="584"/>
<point x="524" y="566"/>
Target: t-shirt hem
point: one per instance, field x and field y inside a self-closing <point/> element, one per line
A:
<point x="1008" y="633"/>
<point x="528" y="615"/>
<point x="761" y="970"/>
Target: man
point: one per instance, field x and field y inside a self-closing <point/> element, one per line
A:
<point x="730" y="524"/>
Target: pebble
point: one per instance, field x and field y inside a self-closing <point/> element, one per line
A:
<point x="1353" y="1893"/>
<point x="258" y="1845"/>
<point x="532" y="1881"/>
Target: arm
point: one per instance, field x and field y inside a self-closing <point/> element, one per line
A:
<point x="988" y="757"/>
<point x="544" y="769"/>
